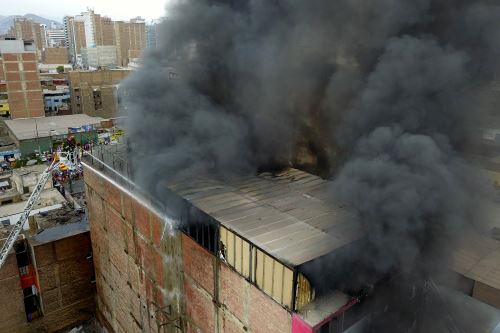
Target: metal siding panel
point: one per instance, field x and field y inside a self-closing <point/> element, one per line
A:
<point x="230" y="248"/>
<point x="278" y="282"/>
<point x="259" y="269"/>
<point x="238" y="254"/>
<point x="246" y="260"/>
<point x="287" y="287"/>
<point x="268" y="274"/>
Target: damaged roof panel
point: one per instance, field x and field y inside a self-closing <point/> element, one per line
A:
<point x="287" y="215"/>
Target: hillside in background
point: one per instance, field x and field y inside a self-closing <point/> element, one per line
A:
<point x="7" y="21"/>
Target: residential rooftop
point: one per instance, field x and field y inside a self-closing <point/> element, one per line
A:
<point x="48" y="198"/>
<point x="30" y="128"/>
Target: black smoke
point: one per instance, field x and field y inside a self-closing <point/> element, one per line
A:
<point x="383" y="97"/>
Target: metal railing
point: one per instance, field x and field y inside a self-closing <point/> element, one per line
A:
<point x="112" y="161"/>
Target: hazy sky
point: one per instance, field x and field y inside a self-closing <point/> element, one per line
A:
<point x="56" y="9"/>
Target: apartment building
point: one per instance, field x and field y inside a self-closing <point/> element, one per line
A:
<point x="23" y="85"/>
<point x="95" y="92"/>
<point x="55" y="38"/>
<point x="26" y="29"/>
<point x="130" y="36"/>
<point x="74" y="33"/>
<point x="98" y="29"/>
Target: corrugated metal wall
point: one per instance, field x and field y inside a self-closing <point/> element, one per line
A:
<point x="267" y="273"/>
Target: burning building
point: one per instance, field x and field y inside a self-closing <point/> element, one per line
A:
<point x="234" y="265"/>
<point x="206" y="222"/>
<point x="242" y="255"/>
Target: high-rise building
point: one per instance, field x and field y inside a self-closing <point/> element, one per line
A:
<point x="23" y="85"/>
<point x="130" y="36"/>
<point x="98" y="29"/>
<point x="43" y="34"/>
<point x="108" y="31"/>
<point x="95" y="92"/>
<point x="26" y="29"/>
<point x="55" y="37"/>
<point x="90" y="28"/>
<point x="137" y="33"/>
<point x="74" y="33"/>
<point x="152" y="34"/>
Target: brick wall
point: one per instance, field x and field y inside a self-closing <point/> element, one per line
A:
<point x="12" y="315"/>
<point x="23" y="85"/>
<point x="218" y="299"/>
<point x="136" y="269"/>
<point x="65" y="276"/>
<point x="137" y="285"/>
<point x="55" y="55"/>
<point x="65" y="283"/>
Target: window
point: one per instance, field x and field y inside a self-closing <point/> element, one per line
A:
<point x="204" y="235"/>
<point x="202" y="229"/>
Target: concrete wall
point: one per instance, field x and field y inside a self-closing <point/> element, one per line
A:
<point x="138" y="272"/>
<point x="102" y="55"/>
<point x="27" y="178"/>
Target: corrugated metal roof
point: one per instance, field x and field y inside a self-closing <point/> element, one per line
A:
<point x="30" y="128"/>
<point x="287" y="215"/>
<point x="478" y="258"/>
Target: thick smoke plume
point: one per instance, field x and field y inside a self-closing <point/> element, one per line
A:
<point x="380" y="96"/>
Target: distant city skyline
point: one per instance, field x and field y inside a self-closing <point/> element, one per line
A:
<point x="57" y="9"/>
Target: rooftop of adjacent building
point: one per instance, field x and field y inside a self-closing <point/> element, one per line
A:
<point x="49" y="198"/>
<point x="16" y="46"/>
<point x="31" y="128"/>
<point x="60" y="224"/>
<point x="53" y="216"/>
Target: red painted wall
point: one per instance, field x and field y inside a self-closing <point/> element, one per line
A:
<point x="299" y="326"/>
